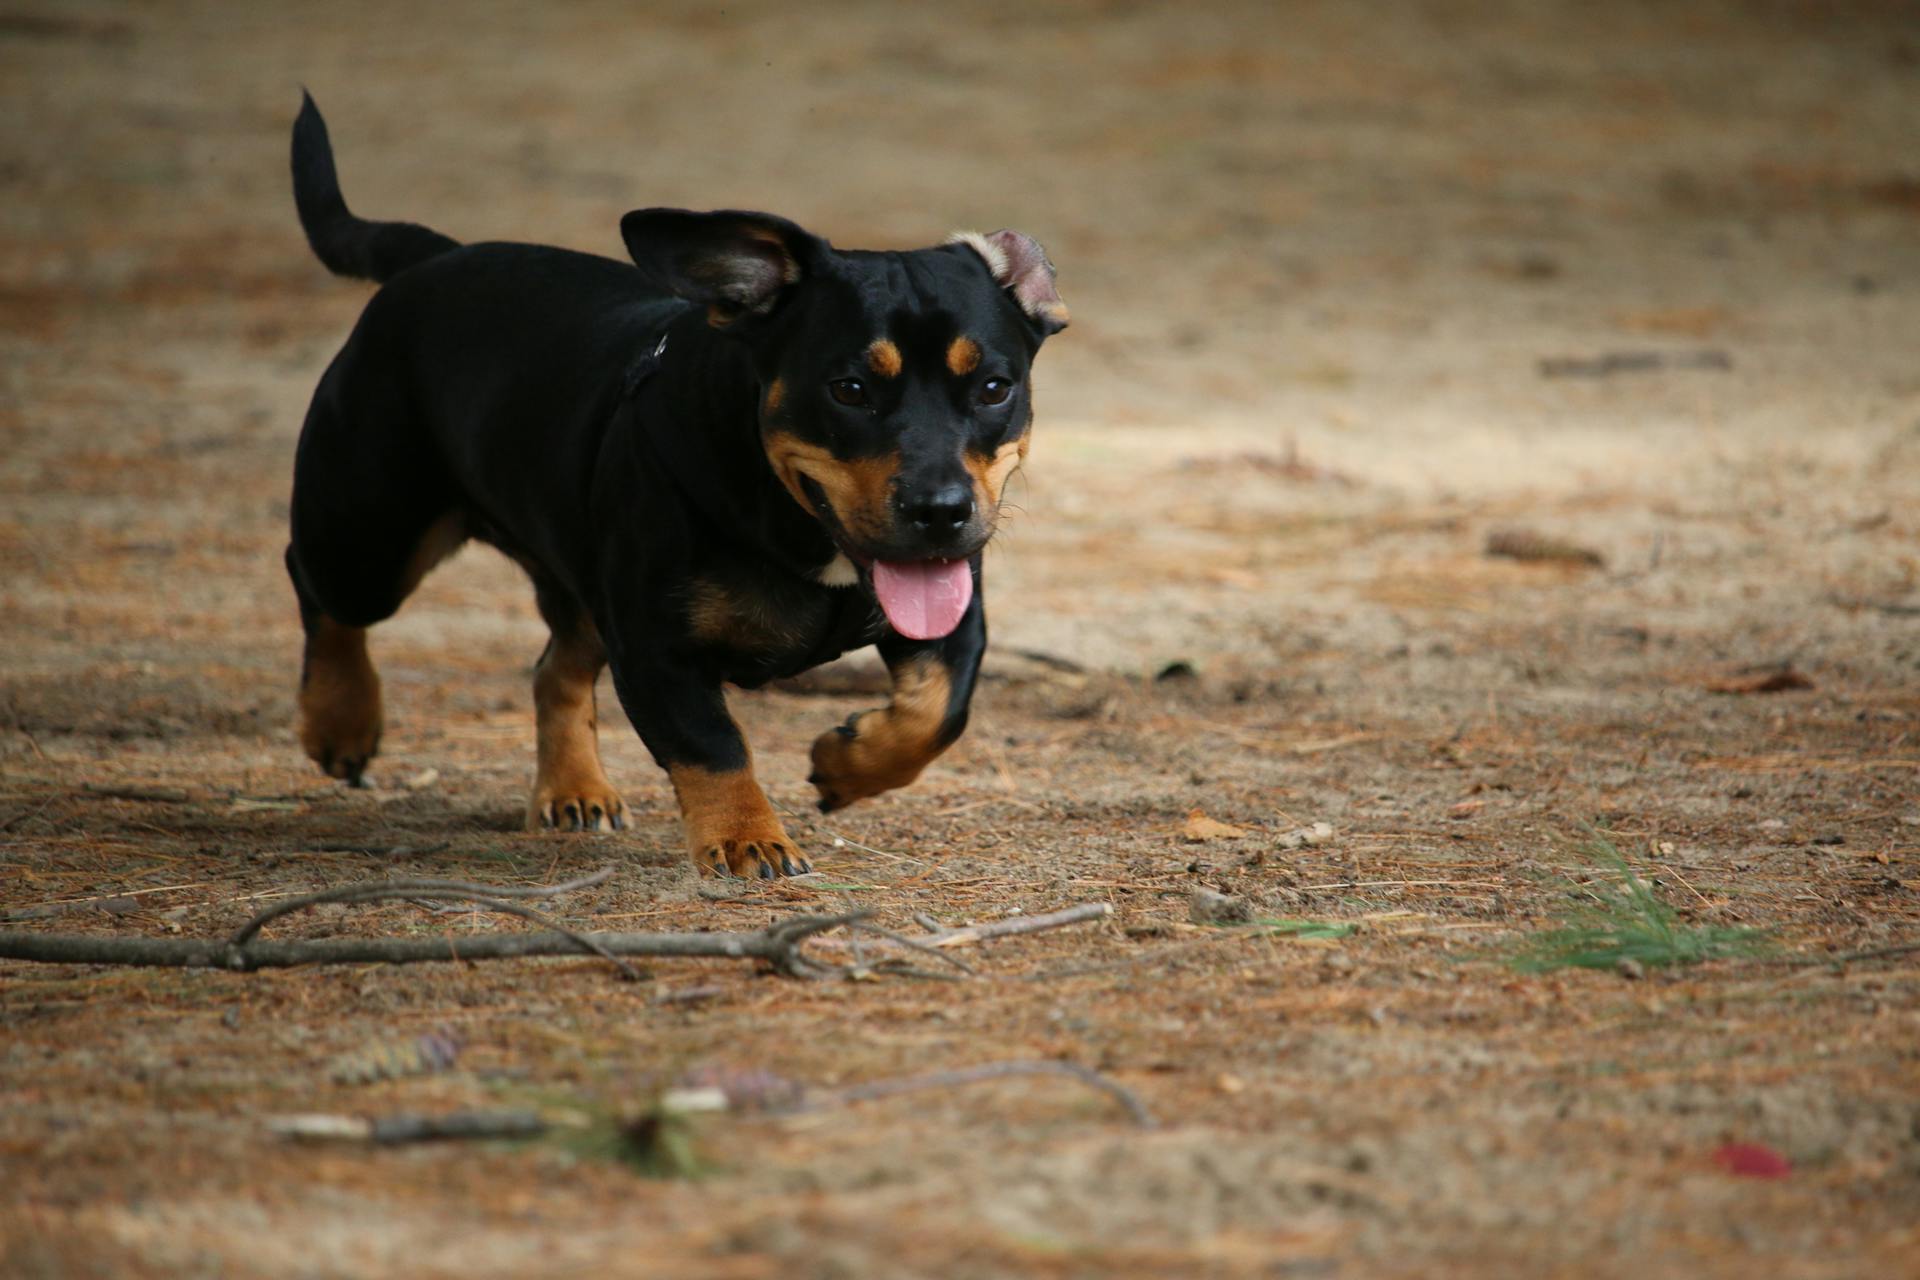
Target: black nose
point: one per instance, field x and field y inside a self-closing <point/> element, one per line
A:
<point x="939" y="511"/>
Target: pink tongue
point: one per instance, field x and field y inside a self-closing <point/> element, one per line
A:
<point x="925" y="599"/>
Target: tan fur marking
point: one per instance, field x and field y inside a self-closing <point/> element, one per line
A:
<point x="858" y="491"/>
<point x="340" y="718"/>
<point x="738" y="620"/>
<point x="731" y="829"/>
<point x="884" y="358"/>
<point x="776" y="393"/>
<point x="889" y="747"/>
<point x="963" y="356"/>
<point x="990" y="475"/>
<point x="570" y="789"/>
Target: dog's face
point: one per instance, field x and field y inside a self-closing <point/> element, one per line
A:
<point x="894" y="387"/>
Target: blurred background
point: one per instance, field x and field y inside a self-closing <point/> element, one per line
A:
<point x="1324" y="261"/>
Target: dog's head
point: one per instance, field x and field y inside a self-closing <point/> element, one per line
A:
<point x="894" y="387"/>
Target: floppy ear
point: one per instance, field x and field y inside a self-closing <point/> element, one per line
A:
<point x="737" y="263"/>
<point x="1020" y="265"/>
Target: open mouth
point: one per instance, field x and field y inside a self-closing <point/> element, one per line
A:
<point x="923" y="599"/>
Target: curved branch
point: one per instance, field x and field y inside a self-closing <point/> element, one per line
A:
<point x="379" y="890"/>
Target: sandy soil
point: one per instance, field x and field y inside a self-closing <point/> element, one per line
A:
<point x="1320" y="260"/>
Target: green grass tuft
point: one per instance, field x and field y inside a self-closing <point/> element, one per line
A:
<point x="1618" y="924"/>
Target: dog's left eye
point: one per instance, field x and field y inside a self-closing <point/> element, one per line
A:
<point x="848" y="391"/>
<point x="995" y="391"/>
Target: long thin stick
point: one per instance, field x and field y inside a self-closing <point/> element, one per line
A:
<point x="916" y="945"/>
<point x="777" y="944"/>
<point x="486" y="897"/>
<point x="410" y="888"/>
<point x="973" y="933"/>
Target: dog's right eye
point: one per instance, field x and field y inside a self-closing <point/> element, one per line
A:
<point x="848" y="391"/>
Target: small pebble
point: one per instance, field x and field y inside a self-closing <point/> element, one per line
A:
<point x="1204" y="906"/>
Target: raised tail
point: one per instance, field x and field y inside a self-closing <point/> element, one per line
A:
<point x="349" y="246"/>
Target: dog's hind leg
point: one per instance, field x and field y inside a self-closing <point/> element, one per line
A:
<point x="570" y="789"/>
<point x="341" y="719"/>
<point x="372" y="513"/>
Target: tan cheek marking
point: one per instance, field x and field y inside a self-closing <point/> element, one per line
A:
<point x="991" y="474"/>
<point x="963" y="357"/>
<point x="884" y="359"/>
<point x="775" y="394"/>
<point x="857" y="490"/>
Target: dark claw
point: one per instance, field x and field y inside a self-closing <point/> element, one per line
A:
<point x="573" y="816"/>
<point x="619" y="821"/>
<point x="594" y="815"/>
<point x="356" y="773"/>
<point x="766" y="870"/>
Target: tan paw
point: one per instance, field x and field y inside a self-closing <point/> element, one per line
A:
<point x="853" y="762"/>
<point x="755" y="859"/>
<point x="576" y="808"/>
<point x="341" y="736"/>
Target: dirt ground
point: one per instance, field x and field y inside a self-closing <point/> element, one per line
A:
<point x="1340" y="278"/>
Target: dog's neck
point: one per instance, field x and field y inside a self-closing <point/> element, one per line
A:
<point x="698" y="415"/>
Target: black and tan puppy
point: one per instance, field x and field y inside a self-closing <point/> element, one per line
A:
<point x="741" y="456"/>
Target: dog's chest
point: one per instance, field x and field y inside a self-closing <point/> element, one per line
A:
<point x="764" y="626"/>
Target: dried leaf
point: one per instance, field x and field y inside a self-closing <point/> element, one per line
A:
<point x="1534" y="548"/>
<point x="1779" y="681"/>
<point x="1201" y="828"/>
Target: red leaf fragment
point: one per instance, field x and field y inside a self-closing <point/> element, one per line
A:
<point x="1751" y="1160"/>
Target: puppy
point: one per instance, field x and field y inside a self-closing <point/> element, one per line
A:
<point x="737" y="458"/>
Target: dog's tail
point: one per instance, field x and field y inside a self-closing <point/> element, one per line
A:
<point x="349" y="246"/>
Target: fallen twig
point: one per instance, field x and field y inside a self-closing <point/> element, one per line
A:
<point x="1892" y="608"/>
<point x="479" y="895"/>
<point x="1612" y="362"/>
<point x="915" y="944"/>
<point x="970" y="934"/>
<point x="394" y="1129"/>
<point x="1846" y="958"/>
<point x="778" y="944"/>
<point x="369" y="890"/>
<point x="152" y="795"/>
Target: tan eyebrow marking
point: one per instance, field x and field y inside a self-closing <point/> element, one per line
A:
<point x="963" y="356"/>
<point x="884" y="358"/>
<point x="775" y="394"/>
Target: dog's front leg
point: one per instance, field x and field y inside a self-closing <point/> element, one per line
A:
<point x="682" y="717"/>
<point x="879" y="750"/>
